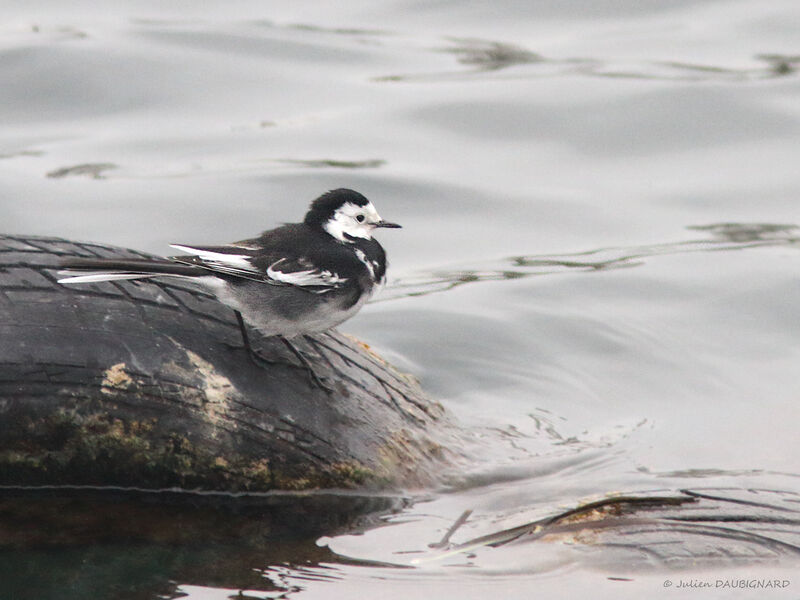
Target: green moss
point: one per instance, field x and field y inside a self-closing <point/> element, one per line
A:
<point x="352" y="473"/>
<point x="67" y="448"/>
<point x="348" y="475"/>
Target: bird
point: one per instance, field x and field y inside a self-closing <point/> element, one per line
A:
<point x="293" y="280"/>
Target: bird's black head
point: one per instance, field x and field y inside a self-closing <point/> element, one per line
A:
<point x="345" y="214"/>
<point x="324" y="207"/>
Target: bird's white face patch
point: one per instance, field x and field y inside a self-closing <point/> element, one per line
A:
<point x="353" y="220"/>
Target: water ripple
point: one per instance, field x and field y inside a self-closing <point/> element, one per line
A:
<point x="725" y="237"/>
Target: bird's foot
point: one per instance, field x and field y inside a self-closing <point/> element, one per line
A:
<point x="316" y="379"/>
<point x="255" y="357"/>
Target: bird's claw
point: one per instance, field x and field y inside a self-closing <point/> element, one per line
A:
<point x="256" y="358"/>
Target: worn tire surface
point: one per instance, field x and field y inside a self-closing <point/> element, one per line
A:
<point x="137" y="385"/>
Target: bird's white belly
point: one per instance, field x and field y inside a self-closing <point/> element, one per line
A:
<point x="260" y="315"/>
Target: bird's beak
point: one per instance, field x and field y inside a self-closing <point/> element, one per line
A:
<point x="387" y="224"/>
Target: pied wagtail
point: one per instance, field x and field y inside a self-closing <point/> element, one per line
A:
<point x="293" y="280"/>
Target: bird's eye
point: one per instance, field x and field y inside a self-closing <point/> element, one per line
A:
<point x="360" y="218"/>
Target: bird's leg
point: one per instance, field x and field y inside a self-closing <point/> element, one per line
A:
<point x="259" y="360"/>
<point x="255" y="357"/>
<point x="304" y="361"/>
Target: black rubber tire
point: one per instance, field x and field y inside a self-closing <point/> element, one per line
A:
<point x="136" y="384"/>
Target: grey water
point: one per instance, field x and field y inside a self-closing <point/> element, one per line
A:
<point x="599" y="257"/>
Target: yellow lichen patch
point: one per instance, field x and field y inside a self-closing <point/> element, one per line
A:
<point x="570" y="529"/>
<point x="590" y="515"/>
<point x="366" y="347"/>
<point x="587" y="537"/>
<point x="115" y="378"/>
<point x="408" y="458"/>
<point x="350" y="473"/>
<point x="408" y="378"/>
<point x="584" y="537"/>
<point x="258" y="471"/>
<point x="217" y="387"/>
<point x="396" y="453"/>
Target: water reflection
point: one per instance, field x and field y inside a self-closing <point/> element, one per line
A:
<point x="750" y="232"/>
<point x="346" y="31"/>
<point x="714" y="473"/>
<point x="491" y="56"/>
<point x="372" y="163"/>
<point x="486" y="56"/>
<point x="21" y="153"/>
<point x="725" y="237"/>
<point x="670" y="528"/>
<point x="93" y="170"/>
<point x="781" y="64"/>
<point x="62" y="542"/>
<point x="182" y="94"/>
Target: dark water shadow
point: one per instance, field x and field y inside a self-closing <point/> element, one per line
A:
<point x="723" y="237"/>
<point x="61" y="542"/>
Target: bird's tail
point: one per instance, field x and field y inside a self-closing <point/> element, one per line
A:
<point x="90" y="270"/>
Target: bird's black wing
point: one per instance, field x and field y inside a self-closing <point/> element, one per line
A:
<point x="262" y="264"/>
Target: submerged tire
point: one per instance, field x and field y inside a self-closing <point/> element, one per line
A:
<point x="141" y="384"/>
